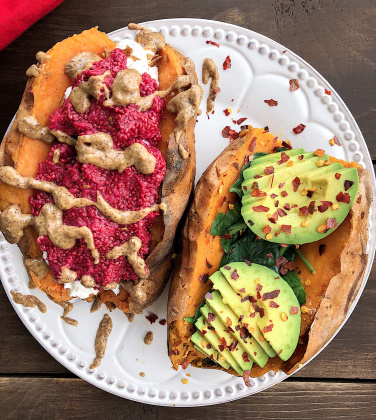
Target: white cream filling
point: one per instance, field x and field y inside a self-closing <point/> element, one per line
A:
<point x="141" y="65"/>
<point x="76" y="289"/>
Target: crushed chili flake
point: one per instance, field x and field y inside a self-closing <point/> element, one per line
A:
<point x="233" y="345"/>
<point x="338" y="175"/>
<point x="343" y="197"/>
<point x="227" y="132"/>
<point x="234" y="275"/>
<point x="240" y="120"/>
<point x="271" y="102"/>
<point x="328" y="92"/>
<point x="310" y="194"/>
<point x="241" y="318"/>
<point x="301" y="157"/>
<point x="217" y="90"/>
<point x="246" y="375"/>
<point x="287" y="207"/>
<point x="281" y="185"/>
<point x="212" y="43"/>
<point x="348" y="184"/>
<point x="269" y="170"/>
<point x="211" y="317"/>
<point x="208" y="264"/>
<point x="245" y="357"/>
<point x="294" y="85"/>
<point x="209" y="296"/>
<point x="258" y="193"/>
<point x="226" y="236"/>
<point x="280" y="261"/>
<point x="319" y="152"/>
<point x="247" y="262"/>
<point x="286" y="229"/>
<point x="294" y="310"/>
<point x="260" y="209"/>
<point x="271" y="295"/>
<point x="284" y="159"/>
<point x="268" y="328"/>
<point x="163" y="322"/>
<point x="311" y="207"/>
<point x="204" y="277"/>
<point x="284" y="194"/>
<point x="324" y="206"/>
<point x="273" y="195"/>
<point x="281" y="213"/>
<point x="337" y="141"/>
<point x="244" y="299"/>
<point x="152" y="317"/>
<point x="252" y="145"/>
<point x="227" y="112"/>
<point x="273" y="218"/>
<point x="296" y="183"/>
<point x="303" y="211"/>
<point x="255" y="184"/>
<point x="257" y="176"/>
<point x="250" y="222"/>
<point x="331" y="223"/>
<point x="221" y="347"/>
<point x="299" y="129"/>
<point x="242" y="290"/>
<point x="276" y="203"/>
<point x="270" y="255"/>
<point x="286" y="144"/>
<point x="226" y="267"/>
<point x="267" y="229"/>
<point x="273" y="304"/>
<point x="227" y="63"/>
<point x="266" y="129"/>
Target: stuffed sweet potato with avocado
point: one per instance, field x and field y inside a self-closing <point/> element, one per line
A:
<point x="154" y="159"/>
<point x="220" y="281"/>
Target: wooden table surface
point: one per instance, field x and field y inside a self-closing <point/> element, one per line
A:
<point x="337" y="38"/>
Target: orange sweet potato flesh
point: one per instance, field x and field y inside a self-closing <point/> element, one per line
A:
<point x="201" y="252"/>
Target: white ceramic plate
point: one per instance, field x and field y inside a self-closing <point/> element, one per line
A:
<point x="261" y="69"/>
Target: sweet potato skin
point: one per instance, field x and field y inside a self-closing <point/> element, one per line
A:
<point x="42" y="96"/>
<point x="345" y="255"/>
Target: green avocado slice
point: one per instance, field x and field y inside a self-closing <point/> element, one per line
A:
<point x="198" y="340"/>
<point x="239" y="329"/>
<point x="273" y="299"/>
<point x="214" y="341"/>
<point x="306" y="206"/>
<point x="231" y="342"/>
<point x="241" y="310"/>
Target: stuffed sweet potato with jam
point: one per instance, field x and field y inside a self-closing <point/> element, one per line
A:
<point x="44" y="94"/>
<point x="339" y="261"/>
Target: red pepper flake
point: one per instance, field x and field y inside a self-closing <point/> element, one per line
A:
<point x="240" y="120"/>
<point x="266" y="129"/>
<point x="246" y="375"/>
<point x="299" y="129"/>
<point x="223" y="341"/>
<point x="227" y="63"/>
<point x="245" y="188"/>
<point x="276" y="203"/>
<point x="260" y="209"/>
<point x="348" y="184"/>
<point x="294" y="310"/>
<point x="271" y="102"/>
<point x="208" y="346"/>
<point x="221" y="347"/>
<point x="296" y="183"/>
<point x="271" y="295"/>
<point x="248" y="262"/>
<point x="284" y="194"/>
<point x="311" y="207"/>
<point x="208" y="264"/>
<point x="286" y="229"/>
<point x="152" y="317"/>
<point x="163" y="322"/>
<point x="336" y="141"/>
<point x="324" y="206"/>
<point x="266" y="229"/>
<point x="211" y="317"/>
<point x="217" y="90"/>
<point x="257" y="176"/>
<point x="328" y="92"/>
<point x="243" y="333"/>
<point x="280" y="261"/>
<point x="310" y="194"/>
<point x="212" y="43"/>
<point x="234" y="275"/>
<point x="274" y="218"/>
<point x="287" y="207"/>
<point x="226" y="267"/>
<point x="245" y="357"/>
<point x="284" y="158"/>
<point x="209" y="296"/>
<point x="338" y="175"/>
<point x="233" y="345"/>
<point x="273" y="196"/>
<point x="273" y="304"/>
<point x="255" y="184"/>
<point x="250" y="222"/>
<point x="281" y="185"/>
<point x="252" y="145"/>
<point x="228" y="133"/>
<point x="269" y="170"/>
<point x="226" y="236"/>
<point x="303" y="211"/>
<point x="242" y="290"/>
<point x="343" y="198"/>
<point x="258" y="193"/>
<point x="331" y="223"/>
<point x="270" y="255"/>
<point x="281" y="213"/>
<point x="268" y="328"/>
<point x="286" y="144"/>
<point x="301" y="157"/>
<point x="319" y="152"/>
<point x="294" y="85"/>
<point x="259" y="288"/>
<point x="204" y="277"/>
<point x="227" y="112"/>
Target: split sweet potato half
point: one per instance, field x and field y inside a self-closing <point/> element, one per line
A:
<point x="339" y="265"/>
<point x="44" y="93"/>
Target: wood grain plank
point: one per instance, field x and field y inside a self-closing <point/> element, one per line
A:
<point x="40" y="399"/>
<point x="336" y="37"/>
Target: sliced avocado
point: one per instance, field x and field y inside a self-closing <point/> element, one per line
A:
<point x="202" y="345"/>
<point x="239" y="329"/>
<point x="273" y="299"/>
<point x="306" y="207"/>
<point x="231" y="341"/>
<point x="210" y="336"/>
<point x="241" y="310"/>
<point x="271" y="160"/>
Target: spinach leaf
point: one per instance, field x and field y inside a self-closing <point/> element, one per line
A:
<point x="237" y="186"/>
<point x="294" y="281"/>
<point x="223" y="221"/>
<point x="226" y="243"/>
<point x="237" y="227"/>
<point x="281" y="149"/>
<point x="288" y="253"/>
<point x="192" y="320"/>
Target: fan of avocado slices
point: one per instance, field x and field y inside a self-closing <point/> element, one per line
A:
<point x="284" y="199"/>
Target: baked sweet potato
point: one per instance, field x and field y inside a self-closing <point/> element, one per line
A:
<point x="43" y="94"/>
<point x="330" y="292"/>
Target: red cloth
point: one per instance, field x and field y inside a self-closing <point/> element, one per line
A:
<point x="18" y="15"/>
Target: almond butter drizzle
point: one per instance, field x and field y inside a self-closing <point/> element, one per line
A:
<point x="97" y="303"/>
<point x="147" y="38"/>
<point x="30" y="126"/>
<point x="103" y="332"/>
<point x="210" y="71"/>
<point x="79" y="63"/>
<point x="63" y="138"/>
<point x="29" y="301"/>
